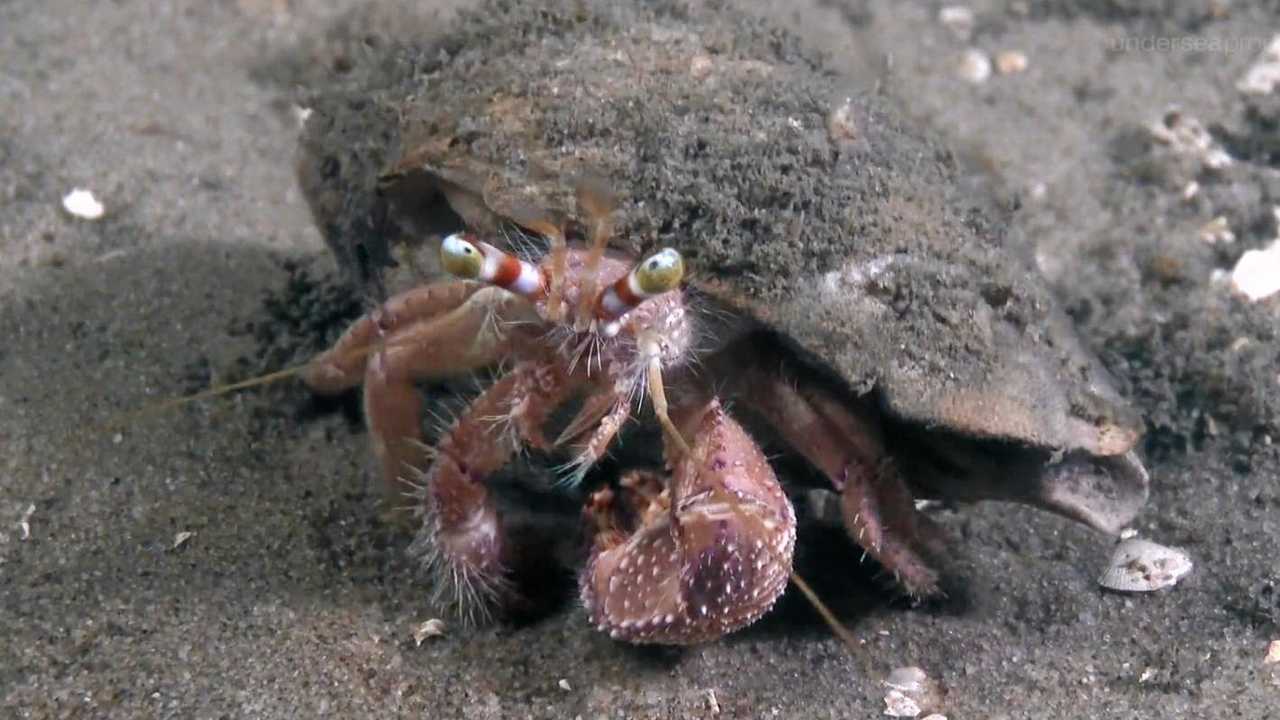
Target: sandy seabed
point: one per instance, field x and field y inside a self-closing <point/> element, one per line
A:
<point x="224" y="559"/>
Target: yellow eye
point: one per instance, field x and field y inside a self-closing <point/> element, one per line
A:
<point x="660" y="272"/>
<point x="461" y="258"/>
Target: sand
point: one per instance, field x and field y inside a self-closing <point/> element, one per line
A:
<point x="224" y="559"/>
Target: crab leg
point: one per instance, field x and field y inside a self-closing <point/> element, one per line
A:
<point x="461" y="541"/>
<point x="342" y="367"/>
<point x="687" y="564"/>
<point x="430" y="332"/>
<point x="591" y="432"/>
<point x="878" y="508"/>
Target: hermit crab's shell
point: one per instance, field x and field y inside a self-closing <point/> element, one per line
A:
<point x="822" y="218"/>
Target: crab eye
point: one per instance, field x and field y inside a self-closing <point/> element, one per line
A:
<point x="661" y="272"/>
<point x="656" y="274"/>
<point x="461" y="257"/>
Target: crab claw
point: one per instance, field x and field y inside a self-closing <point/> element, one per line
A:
<point x="706" y="556"/>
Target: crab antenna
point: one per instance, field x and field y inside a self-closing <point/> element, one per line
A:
<point x="464" y="256"/>
<point x="656" y="274"/>
<point x="559" y="258"/>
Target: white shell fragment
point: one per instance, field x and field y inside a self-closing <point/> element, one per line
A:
<point x="1257" y="272"/>
<point x="429" y="629"/>
<point x="1273" y="653"/>
<point x="82" y="204"/>
<point x="897" y="704"/>
<point x="25" y="523"/>
<point x="1263" y="77"/>
<point x="181" y="538"/>
<point x="911" y="693"/>
<point x="1143" y="566"/>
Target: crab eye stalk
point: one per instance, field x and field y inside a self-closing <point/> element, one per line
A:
<point x="461" y="257"/>
<point x="660" y="272"/>
<point x="656" y="274"/>
<point x="470" y="259"/>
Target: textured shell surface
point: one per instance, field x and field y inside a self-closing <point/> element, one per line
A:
<point x="715" y="131"/>
<point x="1139" y="565"/>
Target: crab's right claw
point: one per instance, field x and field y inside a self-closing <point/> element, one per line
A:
<point x="706" y="557"/>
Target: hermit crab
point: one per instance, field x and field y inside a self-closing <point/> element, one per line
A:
<point x="761" y="253"/>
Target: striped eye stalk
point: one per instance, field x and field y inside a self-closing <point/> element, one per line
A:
<point x="656" y="274"/>
<point x="464" y="256"/>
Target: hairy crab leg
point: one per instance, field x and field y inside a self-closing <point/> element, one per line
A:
<point x="687" y="566"/>
<point x="461" y="541"/>
<point x="591" y="432"/>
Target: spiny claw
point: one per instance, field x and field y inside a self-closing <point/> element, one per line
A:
<point x="704" y="565"/>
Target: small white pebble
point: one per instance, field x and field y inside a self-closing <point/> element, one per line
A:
<point x="713" y="705"/>
<point x="564" y="685"/>
<point x="1010" y="62"/>
<point x="975" y="66"/>
<point x="1273" y="653"/>
<point x="82" y="204"/>
<point x="301" y="115"/>
<point x="700" y="66"/>
<point x="1146" y="675"/>
<point x="181" y="538"/>
<point x="1257" y="273"/>
<point x="429" y="629"/>
<point x="1190" y="191"/>
<point x="1127" y="533"/>
<point x="117" y="438"/>
<point x="25" y="523"/>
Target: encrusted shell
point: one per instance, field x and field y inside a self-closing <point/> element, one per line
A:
<point x="858" y="250"/>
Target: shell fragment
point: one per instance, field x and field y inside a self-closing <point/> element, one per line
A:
<point x="82" y="204"/>
<point x="1143" y="566"/>
<point x="429" y="629"/>
<point x="911" y="692"/>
